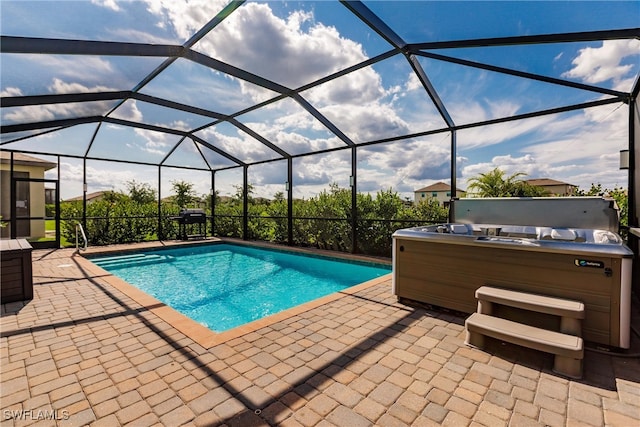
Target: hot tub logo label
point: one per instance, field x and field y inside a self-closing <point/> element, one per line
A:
<point x="589" y="263"/>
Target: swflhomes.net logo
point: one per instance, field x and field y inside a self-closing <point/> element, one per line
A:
<point x="35" y="415"/>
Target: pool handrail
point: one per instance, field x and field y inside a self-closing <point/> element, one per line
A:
<point x="84" y="236"/>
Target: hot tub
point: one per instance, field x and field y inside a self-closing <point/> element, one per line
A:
<point x="443" y="265"/>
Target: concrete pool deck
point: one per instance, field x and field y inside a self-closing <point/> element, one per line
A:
<point x="87" y="353"/>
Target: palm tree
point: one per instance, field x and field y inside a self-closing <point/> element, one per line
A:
<point x="494" y="184"/>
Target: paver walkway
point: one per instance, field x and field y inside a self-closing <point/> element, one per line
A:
<point x="83" y="352"/>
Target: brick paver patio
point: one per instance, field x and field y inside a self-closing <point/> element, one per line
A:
<point x="84" y="352"/>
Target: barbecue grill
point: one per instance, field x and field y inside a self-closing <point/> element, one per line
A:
<point x="561" y="247"/>
<point x="187" y="219"/>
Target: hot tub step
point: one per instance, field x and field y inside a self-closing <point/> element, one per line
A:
<point x="568" y="349"/>
<point x="570" y="312"/>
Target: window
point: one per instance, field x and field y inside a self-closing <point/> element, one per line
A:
<point x="448" y="193"/>
<point x="422" y="194"/>
<point x="434" y="194"/>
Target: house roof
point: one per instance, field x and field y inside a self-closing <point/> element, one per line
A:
<point x="26" y="160"/>
<point x="90" y="196"/>
<point x="546" y="182"/>
<point x="438" y="186"/>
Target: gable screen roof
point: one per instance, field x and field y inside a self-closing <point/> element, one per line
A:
<point x="218" y="85"/>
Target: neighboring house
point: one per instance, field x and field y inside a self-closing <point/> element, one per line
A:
<point x="29" y="196"/>
<point x="439" y="191"/>
<point x="49" y="196"/>
<point x="553" y="187"/>
<point x="91" y="197"/>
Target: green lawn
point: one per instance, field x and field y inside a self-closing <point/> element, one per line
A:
<point x="50" y="225"/>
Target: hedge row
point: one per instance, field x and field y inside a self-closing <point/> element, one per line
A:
<point x="323" y="221"/>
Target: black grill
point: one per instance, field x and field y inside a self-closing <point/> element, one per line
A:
<point x="188" y="217"/>
<point x="192" y="216"/>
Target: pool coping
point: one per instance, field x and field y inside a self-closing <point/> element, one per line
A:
<point x="199" y="333"/>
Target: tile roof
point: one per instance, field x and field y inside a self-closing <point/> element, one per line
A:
<point x="438" y="186"/>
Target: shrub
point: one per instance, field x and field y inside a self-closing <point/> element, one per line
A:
<point x="323" y="221"/>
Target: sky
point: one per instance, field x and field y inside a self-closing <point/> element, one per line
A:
<point x="296" y="43"/>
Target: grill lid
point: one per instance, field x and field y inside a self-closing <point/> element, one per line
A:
<point x="191" y="212"/>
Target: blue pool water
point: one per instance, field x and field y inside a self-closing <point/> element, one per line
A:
<point x="223" y="286"/>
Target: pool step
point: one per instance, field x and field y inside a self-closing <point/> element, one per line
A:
<point x="128" y="260"/>
<point x="120" y="257"/>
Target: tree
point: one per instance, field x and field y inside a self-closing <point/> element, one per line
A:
<point x="239" y="196"/>
<point x="524" y="189"/>
<point x="595" y="190"/>
<point x="495" y="184"/>
<point x="430" y="210"/>
<point x="185" y="194"/>
<point x="141" y="192"/>
<point x="279" y="196"/>
<point x="113" y="197"/>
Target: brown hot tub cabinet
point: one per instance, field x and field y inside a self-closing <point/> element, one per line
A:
<point x="15" y="271"/>
<point x="443" y="265"/>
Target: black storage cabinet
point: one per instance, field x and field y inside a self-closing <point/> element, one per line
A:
<point x="15" y="271"/>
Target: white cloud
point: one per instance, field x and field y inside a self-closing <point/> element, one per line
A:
<point x="129" y="111"/>
<point x="60" y="87"/>
<point x="252" y="37"/>
<point x="185" y="17"/>
<point x="268" y="175"/>
<point x="11" y="91"/>
<point x="291" y="139"/>
<point x="109" y="4"/>
<point x="407" y="165"/>
<point x="46" y="112"/>
<point x="502" y="108"/>
<point x="98" y="179"/>
<point x="313" y="174"/>
<point x="306" y="50"/>
<point x="499" y="133"/>
<point x="128" y="34"/>
<point x="595" y="132"/>
<point x="413" y="83"/>
<point x="579" y="148"/>
<point x="366" y="122"/>
<point x="601" y="169"/>
<point x="356" y="88"/>
<point x="155" y="142"/>
<point x="527" y="164"/>
<point x="599" y="64"/>
<point x="89" y="70"/>
<point x="238" y="144"/>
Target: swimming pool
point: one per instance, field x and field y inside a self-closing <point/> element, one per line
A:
<point x="223" y="286"/>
